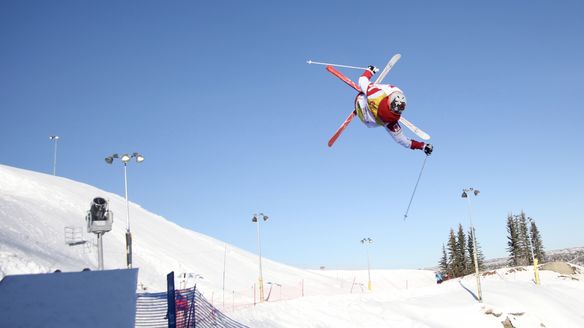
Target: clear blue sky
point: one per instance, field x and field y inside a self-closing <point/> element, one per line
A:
<point x="218" y="97"/>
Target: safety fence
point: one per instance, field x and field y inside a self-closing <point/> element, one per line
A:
<point x="151" y="310"/>
<point x="189" y="309"/>
<point x="234" y="300"/>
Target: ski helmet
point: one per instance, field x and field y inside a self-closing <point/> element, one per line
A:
<point x="397" y="102"/>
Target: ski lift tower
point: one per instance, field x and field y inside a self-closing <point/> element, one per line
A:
<point x="99" y="221"/>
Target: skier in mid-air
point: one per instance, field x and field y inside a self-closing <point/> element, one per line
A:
<point x="382" y="105"/>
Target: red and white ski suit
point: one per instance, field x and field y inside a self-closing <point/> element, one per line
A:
<point x="373" y="109"/>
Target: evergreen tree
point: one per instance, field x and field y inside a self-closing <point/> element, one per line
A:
<point x="480" y="255"/>
<point x="462" y="259"/>
<point x="455" y="265"/>
<point x="470" y="250"/>
<point x="512" y="241"/>
<point x="443" y="264"/>
<point x="523" y="242"/>
<point x="536" y="242"/>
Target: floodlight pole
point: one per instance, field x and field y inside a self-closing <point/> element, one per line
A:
<point x="369" y="241"/>
<point x="465" y="194"/>
<point x="55" y="139"/>
<point x="256" y="219"/>
<point x="128" y="232"/>
<point x="125" y="159"/>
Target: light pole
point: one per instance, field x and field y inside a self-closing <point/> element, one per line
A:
<point x="125" y="158"/>
<point x="55" y="139"/>
<point x="368" y="241"/>
<point x="256" y="219"/>
<point x="465" y="194"/>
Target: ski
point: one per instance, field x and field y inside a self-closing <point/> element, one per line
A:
<point x="387" y="68"/>
<point x="341" y="129"/>
<point x="352" y="84"/>
<point x="345" y="79"/>
<point x="423" y="135"/>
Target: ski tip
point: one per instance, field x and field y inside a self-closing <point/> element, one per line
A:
<point x="395" y="58"/>
<point x="309" y="61"/>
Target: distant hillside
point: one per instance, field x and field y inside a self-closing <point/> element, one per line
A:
<point x="574" y="255"/>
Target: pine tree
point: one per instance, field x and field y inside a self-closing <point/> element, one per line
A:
<point x="443" y="264"/>
<point x="470" y="249"/>
<point x="480" y="255"/>
<point x="523" y="240"/>
<point x="512" y="241"/>
<point x="461" y="251"/>
<point x="455" y="265"/>
<point x="536" y="242"/>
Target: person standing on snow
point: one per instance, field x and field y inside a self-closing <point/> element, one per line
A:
<point x="382" y="105"/>
<point x="439" y="278"/>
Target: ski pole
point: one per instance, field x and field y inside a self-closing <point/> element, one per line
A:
<point x="334" y="65"/>
<point x="415" y="187"/>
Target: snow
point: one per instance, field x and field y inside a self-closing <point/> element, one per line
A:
<point x="558" y="302"/>
<point x="35" y="208"/>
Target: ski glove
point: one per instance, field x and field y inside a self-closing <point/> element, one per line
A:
<point x="428" y="149"/>
<point x="373" y="69"/>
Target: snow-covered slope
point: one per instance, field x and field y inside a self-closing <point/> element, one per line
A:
<point x="508" y="295"/>
<point x="35" y="208"/>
